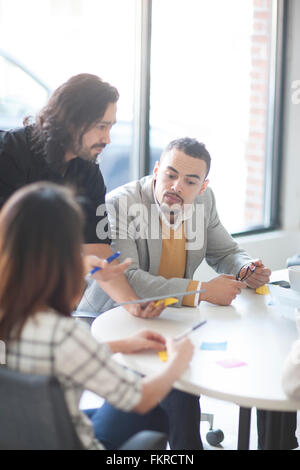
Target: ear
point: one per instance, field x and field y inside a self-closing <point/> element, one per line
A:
<point x="155" y="170"/>
<point x="204" y="186"/>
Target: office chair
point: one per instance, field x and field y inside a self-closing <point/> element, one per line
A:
<point x="34" y="416"/>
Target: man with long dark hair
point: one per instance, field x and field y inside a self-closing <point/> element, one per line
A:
<point x="62" y="147"/>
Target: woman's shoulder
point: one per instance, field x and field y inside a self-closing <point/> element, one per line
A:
<point x="52" y="326"/>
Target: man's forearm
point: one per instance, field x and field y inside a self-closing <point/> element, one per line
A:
<point x="149" y="285"/>
<point x="118" y="289"/>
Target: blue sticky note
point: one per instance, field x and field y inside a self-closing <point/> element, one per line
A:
<point x="213" y="346"/>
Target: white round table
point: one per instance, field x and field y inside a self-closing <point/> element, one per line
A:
<point x="257" y="336"/>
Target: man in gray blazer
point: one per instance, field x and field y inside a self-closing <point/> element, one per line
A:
<point x="167" y="224"/>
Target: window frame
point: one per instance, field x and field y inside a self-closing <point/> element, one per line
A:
<point x="274" y="140"/>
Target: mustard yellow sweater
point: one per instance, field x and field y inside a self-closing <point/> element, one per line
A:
<point x="173" y="259"/>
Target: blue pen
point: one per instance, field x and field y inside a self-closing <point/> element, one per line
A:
<point x="109" y="260"/>
<point x="190" y="330"/>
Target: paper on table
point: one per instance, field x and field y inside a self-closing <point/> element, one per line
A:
<point x="229" y="363"/>
<point x="209" y="346"/>
<point x="287" y="299"/>
<point x="163" y="356"/>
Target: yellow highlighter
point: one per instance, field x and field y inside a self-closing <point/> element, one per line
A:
<point x="167" y="302"/>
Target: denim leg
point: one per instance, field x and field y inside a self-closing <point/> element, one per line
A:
<point x="289" y="426"/>
<point x="183" y="410"/>
<point x="113" y="427"/>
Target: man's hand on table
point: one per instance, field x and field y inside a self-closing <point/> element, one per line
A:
<point x="145" y="310"/>
<point x="221" y="290"/>
<point x="259" y="277"/>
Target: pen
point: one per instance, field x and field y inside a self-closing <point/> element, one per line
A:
<point x="109" y="260"/>
<point x="190" y="330"/>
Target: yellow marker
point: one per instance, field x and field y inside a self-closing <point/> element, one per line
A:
<point x="263" y="290"/>
<point x="163" y="356"/>
<point x="168" y="301"/>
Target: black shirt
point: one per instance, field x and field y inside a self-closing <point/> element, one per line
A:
<point x="20" y="166"/>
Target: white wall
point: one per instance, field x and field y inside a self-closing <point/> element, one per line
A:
<point x="275" y="247"/>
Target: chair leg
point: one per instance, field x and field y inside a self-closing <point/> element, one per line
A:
<point x="209" y="417"/>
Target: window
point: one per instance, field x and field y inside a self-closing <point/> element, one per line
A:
<point x="212" y="77"/>
<point x="198" y="68"/>
<point x="57" y="39"/>
<point x="21" y="93"/>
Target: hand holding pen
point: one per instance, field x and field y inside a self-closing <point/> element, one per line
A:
<point x="181" y="352"/>
<point x="101" y="270"/>
<point x="180" y="345"/>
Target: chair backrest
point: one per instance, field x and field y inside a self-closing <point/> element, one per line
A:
<point x="34" y="414"/>
<point x="146" y="440"/>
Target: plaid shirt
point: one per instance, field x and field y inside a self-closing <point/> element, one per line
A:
<point x="62" y="347"/>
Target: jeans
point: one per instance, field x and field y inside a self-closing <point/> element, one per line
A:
<point x="183" y="410"/>
<point x="289" y="426"/>
<point x="113" y="427"/>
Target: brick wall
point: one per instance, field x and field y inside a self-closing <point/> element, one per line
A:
<point x="255" y="147"/>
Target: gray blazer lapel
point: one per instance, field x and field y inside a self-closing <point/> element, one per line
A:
<point x="195" y="238"/>
<point x="154" y="226"/>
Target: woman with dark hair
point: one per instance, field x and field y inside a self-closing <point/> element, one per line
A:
<point x="41" y="278"/>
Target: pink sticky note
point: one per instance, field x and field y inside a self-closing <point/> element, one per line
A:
<point x="228" y="363"/>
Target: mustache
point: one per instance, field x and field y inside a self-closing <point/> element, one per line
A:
<point x="96" y="146"/>
<point x="172" y="194"/>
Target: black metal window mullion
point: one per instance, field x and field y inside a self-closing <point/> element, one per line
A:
<point x="141" y="126"/>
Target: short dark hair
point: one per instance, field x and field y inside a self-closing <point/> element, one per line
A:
<point x="40" y="259"/>
<point x="72" y="109"/>
<point x="190" y="147"/>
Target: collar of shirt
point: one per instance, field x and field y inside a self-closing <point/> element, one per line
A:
<point x="181" y="217"/>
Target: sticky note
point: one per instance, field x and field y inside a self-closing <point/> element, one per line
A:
<point x="208" y="346"/>
<point x="163" y="356"/>
<point x="229" y="363"/>
<point x="263" y="290"/>
<point x="168" y="301"/>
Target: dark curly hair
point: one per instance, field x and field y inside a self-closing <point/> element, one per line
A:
<point x="71" y="109"/>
